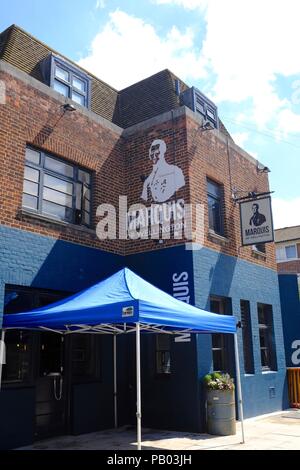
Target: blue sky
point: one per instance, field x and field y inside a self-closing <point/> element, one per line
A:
<point x="241" y="54"/>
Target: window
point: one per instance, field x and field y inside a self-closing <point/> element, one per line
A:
<point x="219" y="341"/>
<point x="266" y="337"/>
<point x="70" y="82"/>
<point x="260" y="248"/>
<point x="215" y="207"/>
<point x="291" y="252"/>
<point x="19" y="343"/>
<point x="247" y="337"/>
<point x="84" y="356"/>
<point x="286" y="253"/>
<point x="163" y="354"/>
<point x="56" y="189"/>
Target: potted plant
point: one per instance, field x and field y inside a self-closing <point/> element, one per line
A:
<point x="220" y="404"/>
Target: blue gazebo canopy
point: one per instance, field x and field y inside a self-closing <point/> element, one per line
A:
<point x="118" y="302"/>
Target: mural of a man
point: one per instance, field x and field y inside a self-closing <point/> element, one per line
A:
<point x="257" y="218"/>
<point x="165" y="179"/>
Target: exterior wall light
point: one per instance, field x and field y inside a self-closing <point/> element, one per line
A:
<point x="69" y="107"/>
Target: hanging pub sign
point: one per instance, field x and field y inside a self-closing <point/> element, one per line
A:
<point x="256" y="221"/>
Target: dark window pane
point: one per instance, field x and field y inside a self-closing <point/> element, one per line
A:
<point x="18" y="350"/>
<point x="84" y="363"/>
<point x="214" y="189"/>
<point x="261" y="247"/>
<point x="216" y="341"/>
<point x="163" y="362"/>
<point x="218" y="360"/>
<point x="30" y="201"/>
<point x="247" y="337"/>
<point x="59" y="167"/>
<point x="163" y="354"/>
<point x="266" y="336"/>
<point x="16" y="301"/>
<point x="50" y="353"/>
<point x="61" y="88"/>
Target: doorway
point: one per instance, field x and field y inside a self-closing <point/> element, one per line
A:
<point x="51" y="386"/>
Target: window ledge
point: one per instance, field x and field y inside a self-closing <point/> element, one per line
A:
<point x="259" y="254"/>
<point x="23" y="213"/>
<point x="269" y="371"/>
<point x="216" y="238"/>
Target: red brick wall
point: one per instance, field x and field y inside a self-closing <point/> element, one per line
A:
<point x="139" y="166"/>
<point x="291" y="267"/>
<point x="119" y="164"/>
<point x="31" y="117"/>
<point x="210" y="157"/>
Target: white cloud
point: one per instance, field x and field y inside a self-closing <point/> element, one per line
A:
<point x="128" y="49"/>
<point x="240" y="138"/>
<point x="286" y="213"/>
<point x="288" y="121"/>
<point x="188" y="4"/>
<point x="100" y="4"/>
<point x="248" y="45"/>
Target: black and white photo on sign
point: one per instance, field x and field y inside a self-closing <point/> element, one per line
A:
<point x="164" y="179"/>
<point x="256" y="221"/>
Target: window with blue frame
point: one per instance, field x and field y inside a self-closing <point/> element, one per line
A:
<point x="70" y="82"/>
<point x="215" y="202"/>
<point x="56" y="189"/>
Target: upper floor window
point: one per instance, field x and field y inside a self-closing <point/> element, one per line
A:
<point x="56" y="189"/>
<point x="260" y="248"/>
<point x="215" y="206"/>
<point x="199" y="103"/>
<point x="70" y="82"/>
<point x="286" y="253"/>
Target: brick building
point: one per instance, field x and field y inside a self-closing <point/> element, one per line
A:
<point x="287" y="242"/>
<point x="69" y="143"/>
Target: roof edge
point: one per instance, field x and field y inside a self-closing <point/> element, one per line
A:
<point x="15" y="27"/>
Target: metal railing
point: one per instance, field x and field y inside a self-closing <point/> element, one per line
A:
<point x="294" y="386"/>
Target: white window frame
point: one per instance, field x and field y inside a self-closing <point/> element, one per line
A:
<point x="282" y="249"/>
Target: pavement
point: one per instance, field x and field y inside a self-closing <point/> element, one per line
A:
<point x="278" y="431"/>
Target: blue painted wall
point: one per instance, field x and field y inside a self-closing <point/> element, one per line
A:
<point x="176" y="402"/>
<point x="290" y="307"/>
<point x="222" y="275"/>
<point x="169" y="402"/>
<point x="28" y="259"/>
